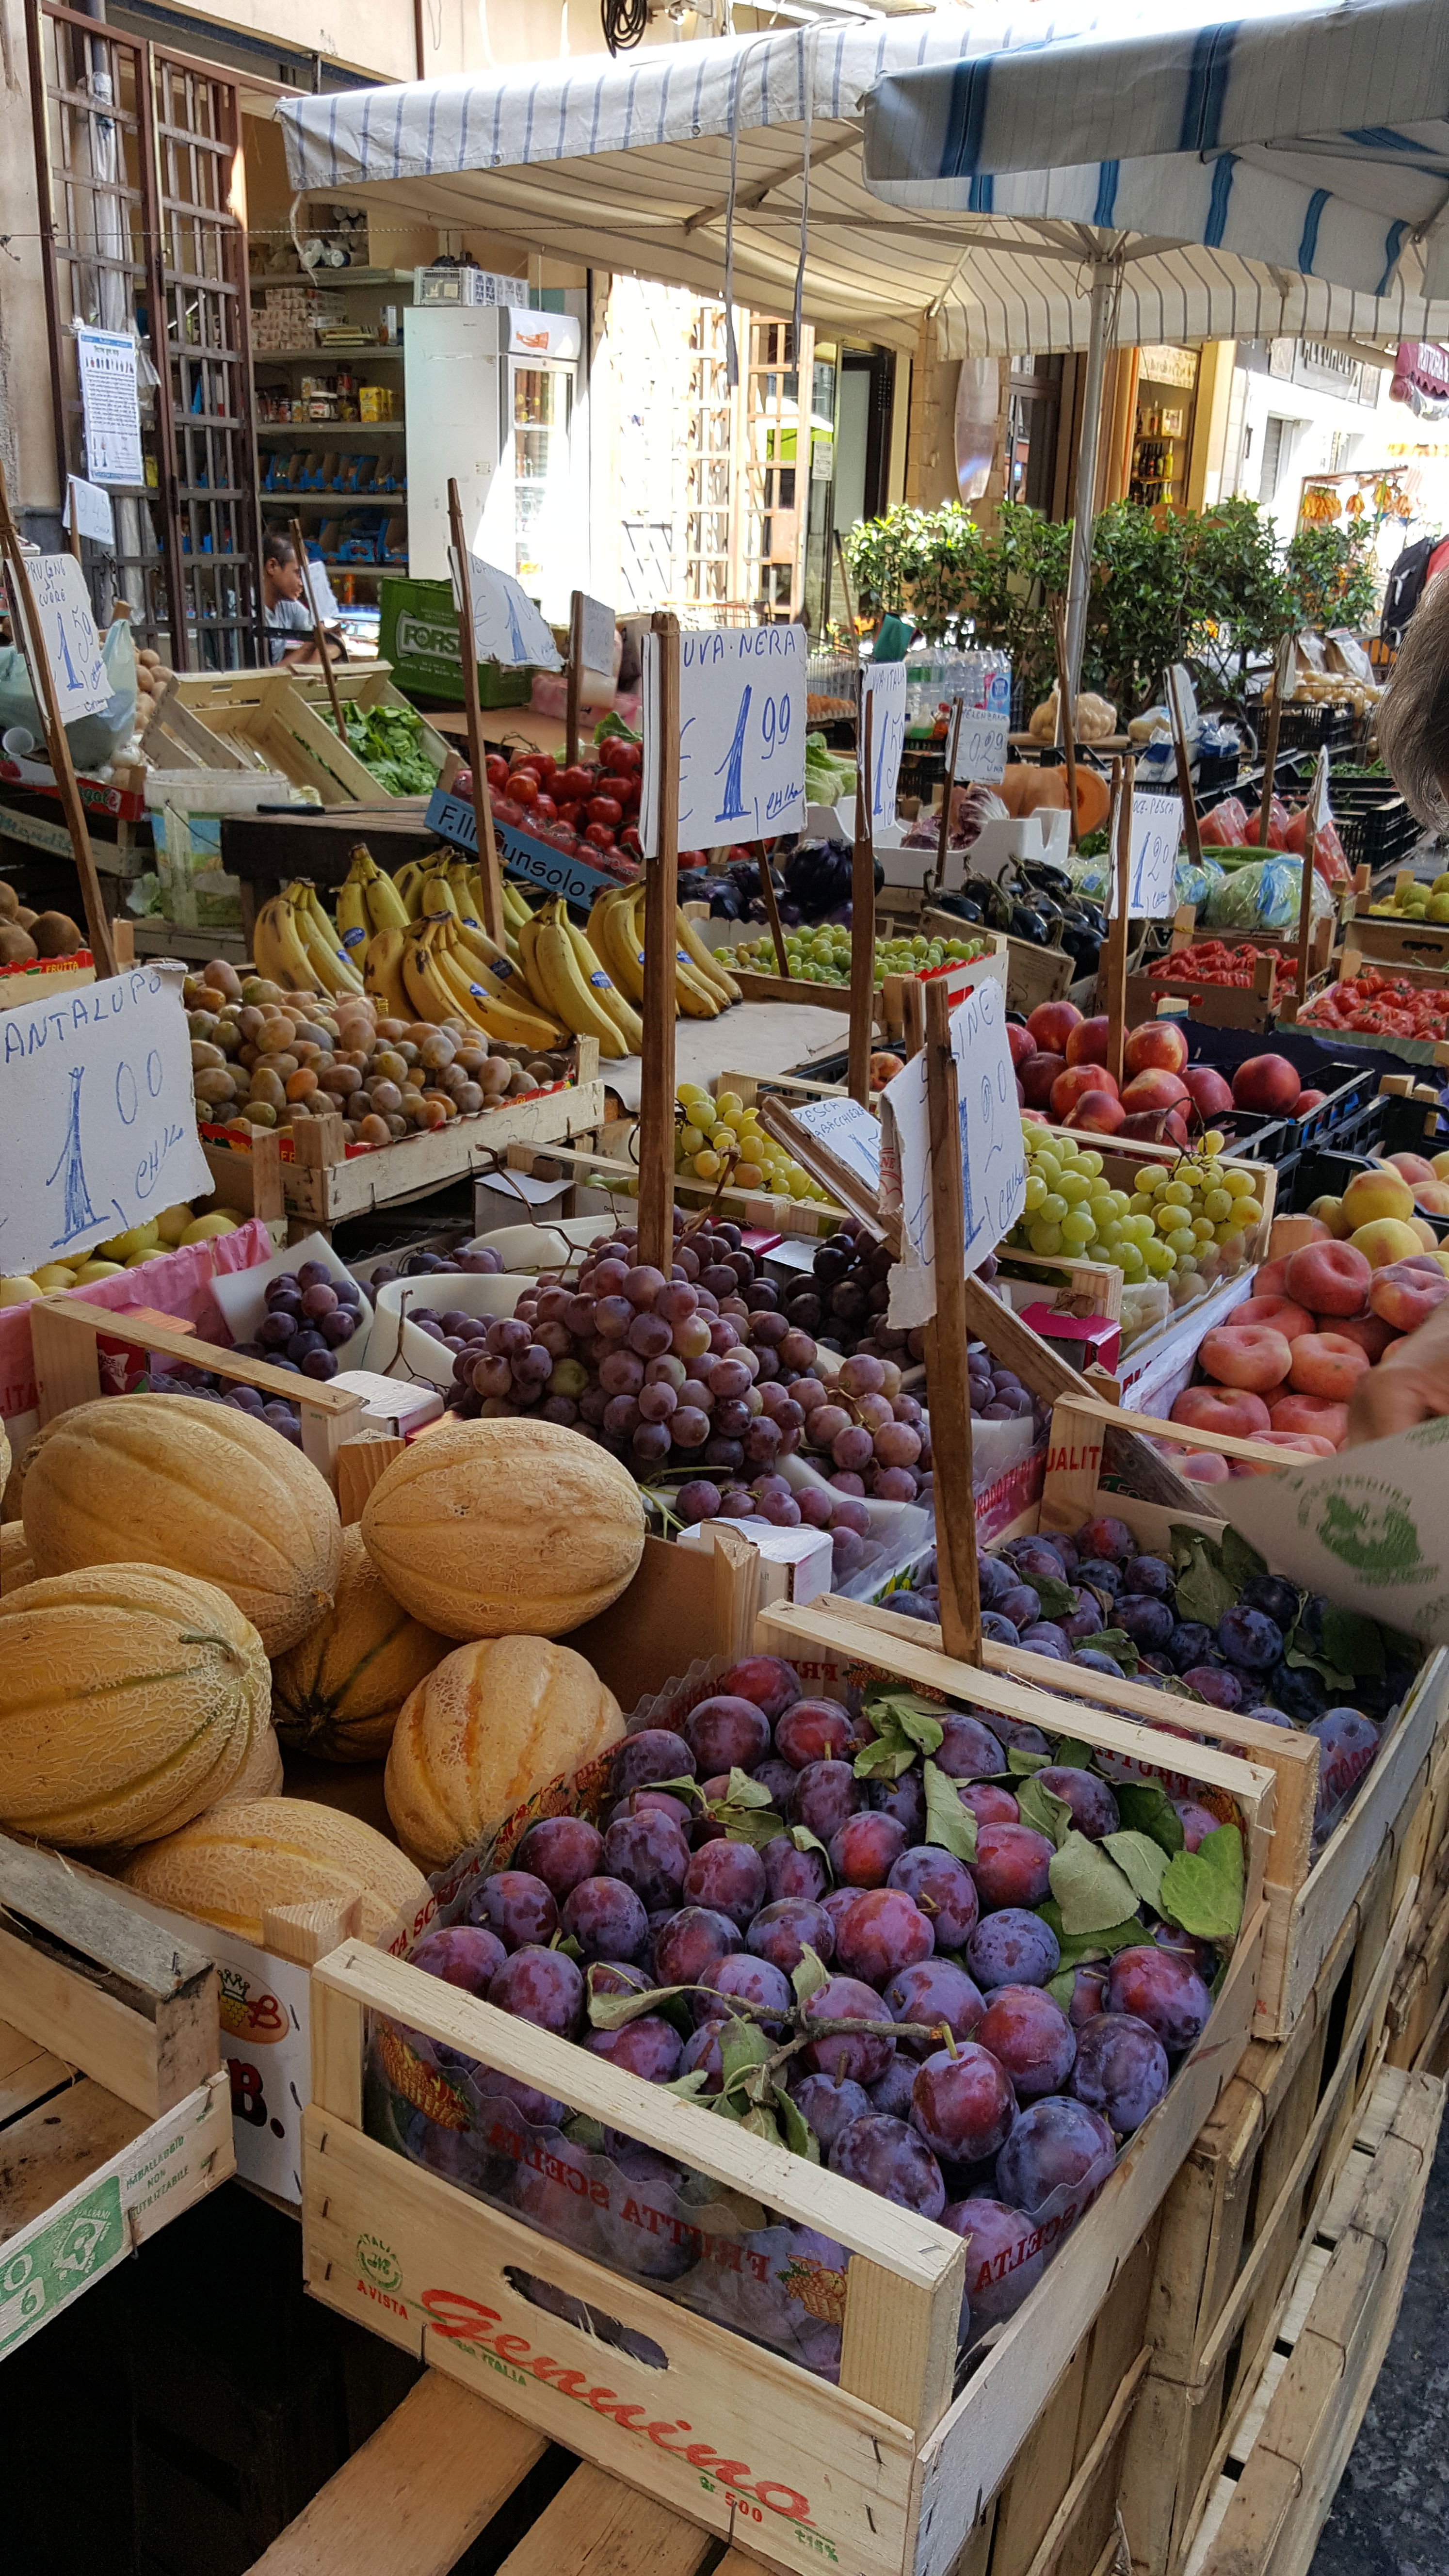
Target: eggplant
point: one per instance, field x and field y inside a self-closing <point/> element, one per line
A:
<point x="1025" y="923"/>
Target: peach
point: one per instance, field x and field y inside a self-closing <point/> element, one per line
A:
<point x="1404" y="1296"/>
<point x="1440" y="1165"/>
<point x="1386" y="1239"/>
<point x="1267" y="1082"/>
<point x="1100" y="1113"/>
<point x="1209" y="1094"/>
<point x="1310" y="1442"/>
<point x="1309" y="1100"/>
<point x="1073" y="1084"/>
<point x="1154" y="1089"/>
<point x="1328" y="1278"/>
<point x="1313" y="1413"/>
<point x="1433" y="1195"/>
<point x="1269" y="1278"/>
<point x="1232" y="1411"/>
<point x="1052" y="1023"/>
<point x="1370" y="1332"/>
<point x="1327" y="1364"/>
<point x="1155" y="1046"/>
<point x="1020" y="1040"/>
<point x="1246" y="1355"/>
<point x="1156" y="1126"/>
<point x="1087" y="1043"/>
<point x="1412" y="1167"/>
<point x="1278" y="1312"/>
<point x="1205" y="1468"/>
<point x="1036" y="1074"/>
<point x="1329" y="1214"/>
<point x="1374" y="1195"/>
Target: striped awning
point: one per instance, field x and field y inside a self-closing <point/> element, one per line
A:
<point x="971" y="165"/>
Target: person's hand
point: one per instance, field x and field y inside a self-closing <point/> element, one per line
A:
<point x="1409" y="1385"/>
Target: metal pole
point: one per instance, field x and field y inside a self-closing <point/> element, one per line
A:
<point x="1079" y="580"/>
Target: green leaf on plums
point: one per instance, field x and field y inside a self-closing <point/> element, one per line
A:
<point x="1353" y="1642"/>
<point x="1241" y="1560"/>
<point x="809" y="1974"/>
<point x="745" y="1792"/>
<point x="1062" y="1987"/>
<point x="690" y="2085"/>
<point x="581" y="2131"/>
<point x="906" y="1713"/>
<point x="804" y="1840"/>
<point x="1177" y="1688"/>
<point x="1116" y="1643"/>
<point x="1071" y="1755"/>
<point x="1204" y="1589"/>
<point x="1202" y="1891"/>
<point x="742" y="2044"/>
<point x="570" y="1947"/>
<point x="1079" y="1947"/>
<point x="1141" y="1860"/>
<point x="1019" y="1763"/>
<point x="754" y="1825"/>
<point x="1058" y="1600"/>
<point x="885" y="1759"/>
<point x="1044" y="1811"/>
<point x="685" y="1788"/>
<point x="947" y="1821"/>
<point x="611" y="2012"/>
<point x="729" y="2106"/>
<point x="798" y="2135"/>
<point x="762" y="2123"/>
<point x="1300" y="1660"/>
<point x="1088" y="1886"/>
<point x="1145" y="1808"/>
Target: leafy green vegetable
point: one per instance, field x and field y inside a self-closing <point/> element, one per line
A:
<point x="1203" y="1890"/>
<point x="388" y="740"/>
<point x="613" y="727"/>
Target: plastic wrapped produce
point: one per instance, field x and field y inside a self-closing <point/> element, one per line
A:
<point x="1265" y="894"/>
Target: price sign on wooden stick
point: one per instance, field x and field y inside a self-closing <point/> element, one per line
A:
<point x="31" y="639"/>
<point x="661" y="903"/>
<point x="862" y="920"/>
<point x="490" y="876"/>
<point x="947" y="1337"/>
<point x="1318" y="810"/>
<point x="299" y="548"/>
<point x="953" y="745"/>
<point x="772" y="907"/>
<point x="1184" y="766"/>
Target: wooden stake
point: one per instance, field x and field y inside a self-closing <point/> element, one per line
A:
<point x="1270" y="753"/>
<point x="948" y="1392"/>
<point x="575" y="678"/>
<point x="862" y="919"/>
<point x="490" y="876"/>
<point x="1305" y="915"/>
<point x="953" y="745"/>
<point x="1184" y="773"/>
<point x="1117" y="927"/>
<point x="772" y="907"/>
<point x="661" y="904"/>
<point x="73" y="532"/>
<point x="914" y="1013"/>
<point x="323" y="656"/>
<point x="1067" y="719"/>
<point x="42" y="681"/>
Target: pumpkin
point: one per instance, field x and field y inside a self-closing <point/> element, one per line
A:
<point x="497" y="1721"/>
<point x="234" y="1864"/>
<point x="131" y="1697"/>
<point x="172" y="1481"/>
<point x="16" y="1563"/>
<point x="504" y="1528"/>
<point x="338" y="1693"/>
<point x="1094" y="799"/>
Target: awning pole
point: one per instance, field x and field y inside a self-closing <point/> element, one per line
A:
<point x="1079" y="580"/>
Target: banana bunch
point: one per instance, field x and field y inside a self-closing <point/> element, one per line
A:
<point x="562" y="968"/>
<point x="702" y="989"/>
<point x="367" y="903"/>
<point x="442" y="979"/>
<point x="295" y="945"/>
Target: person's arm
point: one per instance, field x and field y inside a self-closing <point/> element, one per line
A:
<point x="1410" y="1384"/>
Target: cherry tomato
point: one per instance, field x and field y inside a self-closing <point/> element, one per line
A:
<point x="545" y="764"/>
<point x="569" y="812"/>
<point x="599" y="836"/>
<point x="629" y="840"/>
<point x="611" y="751"/>
<point x="573" y="784"/>
<point x="506" y="811"/>
<point x="523" y="787"/>
<point x="544" y="810"/>
<point x="497" y="768"/>
<point x="606" y="809"/>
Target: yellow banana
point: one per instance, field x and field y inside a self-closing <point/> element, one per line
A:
<point x="611" y="937"/>
<point x="704" y="958"/>
<point x="696" y="999"/>
<point x="382" y="974"/>
<point x="408" y="886"/>
<point x="528" y="966"/>
<point x="489" y="966"/>
<point x="487" y="1011"/>
<point x="277" y="947"/>
<point x="331" y="971"/>
<point x="518" y="909"/>
<point x="573" y="999"/>
<point x="386" y="909"/>
<point x="425" y="987"/>
<point x="625" y="1018"/>
<point x="353" y="927"/>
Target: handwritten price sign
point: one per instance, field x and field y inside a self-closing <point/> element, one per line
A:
<point x="981" y="751"/>
<point x="884" y="686"/>
<point x="741" y="736"/>
<point x="993" y="1165"/>
<point x="1156" y="832"/>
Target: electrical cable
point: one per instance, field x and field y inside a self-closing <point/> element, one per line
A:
<point x="625" y="24"/>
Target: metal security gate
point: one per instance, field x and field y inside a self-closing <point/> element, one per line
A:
<point x="138" y="154"/>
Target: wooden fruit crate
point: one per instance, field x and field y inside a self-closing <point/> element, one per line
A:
<point x="282" y="720"/>
<point x="447" y="2468"/>
<point x="1245" y="2207"/>
<point x="115" y="2104"/>
<point x="1122" y="1163"/>
<point x="1294" y="2443"/>
<point x="1419" y="2003"/>
<point x="891" y="2471"/>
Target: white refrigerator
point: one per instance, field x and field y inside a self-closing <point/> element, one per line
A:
<point x="492" y="399"/>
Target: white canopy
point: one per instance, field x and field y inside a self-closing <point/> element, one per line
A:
<point x="1252" y="209"/>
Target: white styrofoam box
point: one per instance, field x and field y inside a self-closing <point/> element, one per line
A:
<point x="1042" y="835"/>
<point x="506" y="1200"/>
<point x="241" y="1294"/>
<point x="797" y="1562"/>
<point x="902" y="866"/>
<point x="541" y="1246"/>
<point x="397" y="1405"/>
<point x="397" y="1348"/>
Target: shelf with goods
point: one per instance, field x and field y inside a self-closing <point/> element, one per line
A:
<point x="353" y="372"/>
<point x="1162" y="425"/>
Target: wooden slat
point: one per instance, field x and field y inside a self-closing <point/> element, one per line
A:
<point x="596" y="2527"/>
<point x="52" y="2149"/>
<point x="416" y="2495"/>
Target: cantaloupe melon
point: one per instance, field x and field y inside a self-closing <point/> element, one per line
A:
<point x="504" y="1529"/>
<point x="497" y="1720"/>
<point x="261" y="1775"/>
<point x="16" y="1563"/>
<point x="230" y="1866"/>
<point x="338" y="1693"/>
<point x="169" y="1480"/>
<point x="130" y="1699"/>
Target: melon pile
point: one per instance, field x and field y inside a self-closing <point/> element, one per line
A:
<point x="179" y="1599"/>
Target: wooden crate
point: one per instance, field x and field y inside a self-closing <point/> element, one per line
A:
<point x="1392" y="943"/>
<point x="448" y="2468"/>
<point x="282" y="720"/>
<point x="1294" y="2443"/>
<point x="1245" y="2206"/>
<point x="1419" y="2003"/>
<point x="1122" y="1162"/>
<point x="115" y="2104"/>
<point x="889" y="2471"/>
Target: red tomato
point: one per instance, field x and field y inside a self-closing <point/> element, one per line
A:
<point x="574" y="783"/>
<point x="599" y="836"/>
<point x="569" y="812"/>
<point x="523" y="787"/>
<point x="606" y="809"/>
<point x="545" y="764"/>
<point x="613" y="754"/>
<point x="629" y="840"/>
<point x="506" y="811"/>
<point x="497" y="768"/>
<point x="544" y="810"/>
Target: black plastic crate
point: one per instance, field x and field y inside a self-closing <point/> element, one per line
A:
<point x="1377" y="828"/>
<point x="1351" y="1106"/>
<point x="1327" y="1175"/>
<point x="1406" y="1129"/>
<point x="1324" y="724"/>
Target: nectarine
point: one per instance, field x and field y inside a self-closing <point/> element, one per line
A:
<point x="1412" y="1167"/>
<point x="1312" y="1445"/>
<point x="1311" y="1413"/>
<point x="1036" y="1074"/>
<point x="1154" y="1089"/>
<point x="1375" y="1194"/>
<point x="1156" y="1126"/>
<point x="1208" y="1092"/>
<point x="1099" y="1113"/>
<point x="1433" y="1195"/>
<point x="1308" y="1100"/>
<point x="1328" y="1278"/>
<point x="1441" y="1166"/>
<point x="1246" y="1355"/>
<point x="1235" y="1413"/>
<point x="1205" y="1467"/>
<point x="1269" y="1083"/>
<point x="1329" y="1213"/>
<point x="1020" y="1040"/>
<point x="1386" y="1239"/>
<point x="1279" y="1313"/>
<point x="1404" y="1296"/>
<point x="1052" y="1023"/>
<point x="1073" y="1084"/>
<point x="1087" y="1043"/>
<point x="1156" y="1045"/>
<point x="1327" y="1364"/>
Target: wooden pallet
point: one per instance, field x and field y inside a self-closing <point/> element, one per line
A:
<point x="115" y="2107"/>
<point x="448" y="2468"/>
<point x="1248" y="2200"/>
<point x="1293" y="2443"/>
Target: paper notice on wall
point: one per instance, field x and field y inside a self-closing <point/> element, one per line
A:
<point x="993" y="1162"/>
<point x="110" y="406"/>
<point x="1367" y="1528"/>
<point x="508" y="627"/>
<point x="97" y="1122"/>
<point x="741" y="735"/>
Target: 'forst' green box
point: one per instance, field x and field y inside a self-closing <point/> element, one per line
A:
<point x="418" y="635"/>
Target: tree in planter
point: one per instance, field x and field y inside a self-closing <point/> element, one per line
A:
<point x="916" y="563"/>
<point x="1017" y="572"/>
<point x="1238" y="601"/>
<point x="1331" y="577"/>
<point x="1136" y="613"/>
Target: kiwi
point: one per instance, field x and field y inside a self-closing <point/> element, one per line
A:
<point x="17" y="948"/>
<point x="55" y="935"/>
<point x="9" y="900"/>
<point x="27" y="920"/>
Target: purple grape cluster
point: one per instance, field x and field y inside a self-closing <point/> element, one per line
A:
<point x="184" y="1378"/>
<point x="476" y="1260"/>
<point x="310" y="1317"/>
<point x="992" y="2084"/>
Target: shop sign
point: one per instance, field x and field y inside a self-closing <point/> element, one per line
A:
<point x="1421" y="378"/>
